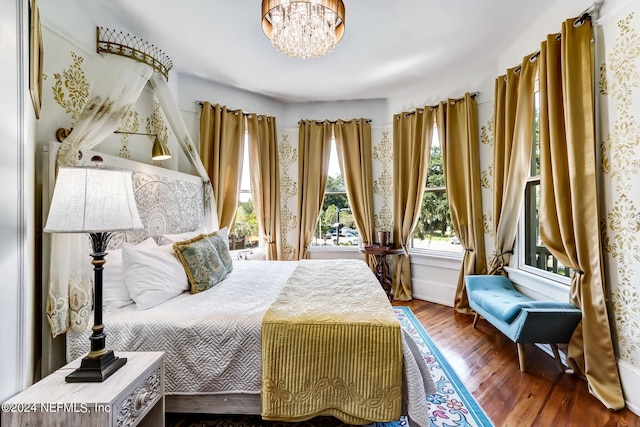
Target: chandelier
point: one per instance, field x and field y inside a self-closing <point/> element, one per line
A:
<point x="303" y="28"/>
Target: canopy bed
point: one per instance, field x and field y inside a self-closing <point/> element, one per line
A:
<point x="288" y="340"/>
<point x="323" y="328"/>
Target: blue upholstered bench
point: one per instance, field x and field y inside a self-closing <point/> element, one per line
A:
<point x="520" y="318"/>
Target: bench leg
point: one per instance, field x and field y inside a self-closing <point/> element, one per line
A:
<point x="521" y="355"/>
<point x="475" y="320"/>
<point x="556" y="355"/>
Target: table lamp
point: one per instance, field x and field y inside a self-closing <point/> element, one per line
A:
<point x="97" y="201"/>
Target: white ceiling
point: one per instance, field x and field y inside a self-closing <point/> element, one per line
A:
<point x="387" y="47"/>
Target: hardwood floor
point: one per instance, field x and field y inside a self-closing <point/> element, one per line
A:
<point x="487" y="363"/>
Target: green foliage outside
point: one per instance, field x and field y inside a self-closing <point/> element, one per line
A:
<point x="333" y="205"/>
<point x="435" y="217"/>
<point x="244" y="232"/>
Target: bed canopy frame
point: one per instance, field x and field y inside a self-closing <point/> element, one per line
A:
<point x="153" y="70"/>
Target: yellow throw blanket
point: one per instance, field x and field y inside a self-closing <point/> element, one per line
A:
<point x="331" y="345"/>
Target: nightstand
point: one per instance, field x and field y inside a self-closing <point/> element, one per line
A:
<point x="381" y="269"/>
<point x="132" y="396"/>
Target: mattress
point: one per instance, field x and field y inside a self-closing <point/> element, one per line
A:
<point x="212" y="340"/>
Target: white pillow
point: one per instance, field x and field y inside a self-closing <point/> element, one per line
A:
<point x="114" y="290"/>
<point x="168" y="239"/>
<point x="224" y="235"/>
<point x="153" y="275"/>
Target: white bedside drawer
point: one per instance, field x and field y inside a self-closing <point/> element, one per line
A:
<point x="134" y="407"/>
<point x="132" y="396"/>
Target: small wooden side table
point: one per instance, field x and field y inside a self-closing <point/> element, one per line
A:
<point x="132" y="396"/>
<point x="381" y="270"/>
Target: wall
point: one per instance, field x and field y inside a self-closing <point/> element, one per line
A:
<point x="17" y="212"/>
<point x="619" y="91"/>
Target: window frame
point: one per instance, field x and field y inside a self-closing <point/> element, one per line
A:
<point x="260" y="246"/>
<point x="430" y="252"/>
<point x="544" y="277"/>
<point x="332" y="247"/>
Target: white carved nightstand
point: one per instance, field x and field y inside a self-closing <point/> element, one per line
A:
<point x="132" y="396"/>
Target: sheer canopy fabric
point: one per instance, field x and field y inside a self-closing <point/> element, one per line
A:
<point x="569" y="223"/>
<point x="176" y="121"/>
<point x="221" y="150"/>
<point x="118" y="85"/>
<point x="314" y="148"/>
<point x="458" y="130"/>
<point x="412" y="133"/>
<point x="513" y="112"/>
<point x="264" y="166"/>
<point x="353" y="143"/>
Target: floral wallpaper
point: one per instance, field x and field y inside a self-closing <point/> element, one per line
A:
<point x="383" y="180"/>
<point x="131" y="123"/>
<point x="620" y="101"/>
<point x="486" y="120"/>
<point x="156" y="126"/>
<point x="71" y="88"/>
<point x="288" y="194"/>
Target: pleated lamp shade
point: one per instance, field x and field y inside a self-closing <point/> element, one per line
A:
<point x="92" y="200"/>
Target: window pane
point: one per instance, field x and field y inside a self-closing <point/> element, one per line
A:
<point x="336" y="225"/>
<point x="434" y="230"/>
<point x="536" y="254"/>
<point x="244" y="232"/>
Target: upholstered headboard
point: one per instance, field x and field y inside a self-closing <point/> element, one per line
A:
<point x="169" y="202"/>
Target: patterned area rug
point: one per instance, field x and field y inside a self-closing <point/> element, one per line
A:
<point x="452" y="405"/>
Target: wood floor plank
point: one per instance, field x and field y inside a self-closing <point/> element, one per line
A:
<point x="487" y="363"/>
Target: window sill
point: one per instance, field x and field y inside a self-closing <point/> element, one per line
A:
<point x="539" y="287"/>
<point x="440" y="259"/>
<point x="334" y="248"/>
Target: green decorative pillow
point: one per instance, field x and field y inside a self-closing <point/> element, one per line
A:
<point x="202" y="262"/>
<point x="222" y="247"/>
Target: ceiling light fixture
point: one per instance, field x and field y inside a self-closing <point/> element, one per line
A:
<point x="303" y="29"/>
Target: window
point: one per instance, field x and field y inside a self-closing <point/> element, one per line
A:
<point x="244" y="233"/>
<point x="336" y="226"/>
<point x="536" y="255"/>
<point x="434" y="230"/>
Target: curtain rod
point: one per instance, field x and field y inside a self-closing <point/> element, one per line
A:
<point x="333" y="122"/>
<point x="244" y="113"/>
<point x="473" y="95"/>
<point x="594" y="9"/>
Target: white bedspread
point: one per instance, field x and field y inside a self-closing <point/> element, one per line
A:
<point x="211" y="339"/>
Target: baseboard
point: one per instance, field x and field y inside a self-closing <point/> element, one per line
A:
<point x="433" y="292"/>
<point x="630" y="378"/>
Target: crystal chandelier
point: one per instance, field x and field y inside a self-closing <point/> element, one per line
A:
<point x="303" y="29"/>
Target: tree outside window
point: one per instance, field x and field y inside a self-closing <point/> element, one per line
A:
<point x="434" y="230"/>
<point x="336" y="226"/>
<point x="244" y="232"/>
